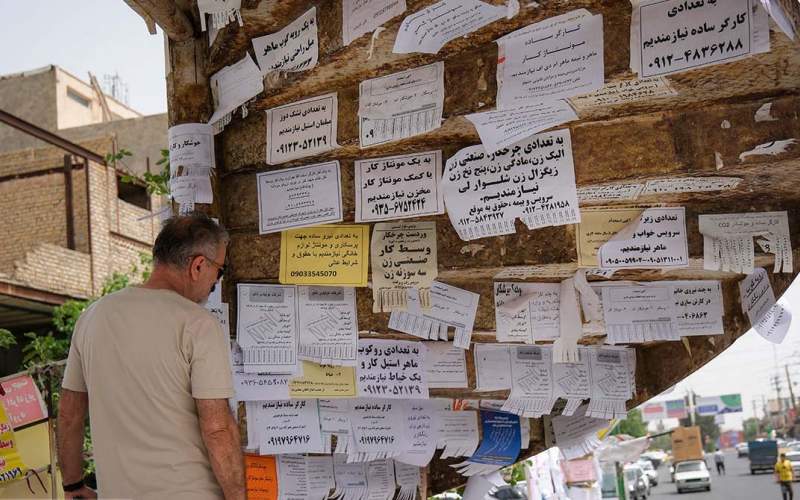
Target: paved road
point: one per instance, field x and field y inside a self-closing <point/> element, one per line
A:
<point x="737" y="484"/>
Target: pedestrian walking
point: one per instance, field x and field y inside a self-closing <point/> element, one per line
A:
<point x="784" y="475"/>
<point x="719" y="460"/>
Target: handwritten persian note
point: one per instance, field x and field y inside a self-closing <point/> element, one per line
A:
<point x="769" y="319"/>
<point x="492" y="367"/>
<point x="673" y="36"/>
<point x="267" y="328"/>
<point x="446" y="366"/>
<point x="399" y="187"/>
<point x="623" y="92"/>
<point x="403" y="257"/>
<point x="429" y="29"/>
<point x="609" y="192"/>
<point x="302" y="129"/>
<point x="222" y="12"/>
<point x="553" y="59"/>
<point x="380" y="480"/>
<point x="391" y="369"/>
<point x="294" y="48"/>
<point x="360" y="17"/>
<point x="458" y="432"/>
<point x="421" y="436"/>
<point x="289" y="426"/>
<point x="299" y="197"/>
<point x="191" y="145"/>
<point x="502" y="128"/>
<point x="323" y="381"/>
<point x="256" y="386"/>
<point x="525" y="312"/>
<point x="611" y="383"/>
<point x="400" y="105"/>
<point x="690" y="185"/>
<point x="325" y="255"/>
<point x="532" y="381"/>
<point x="328" y="325"/>
<point x="450" y="307"/>
<point x="231" y="87"/>
<point x="728" y="240"/>
<point x="261" y="477"/>
<point x="534" y="180"/>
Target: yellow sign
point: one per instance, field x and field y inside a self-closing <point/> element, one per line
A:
<point x="334" y="255"/>
<point x="597" y="226"/>
<point x="324" y="381"/>
<point x="11" y="466"/>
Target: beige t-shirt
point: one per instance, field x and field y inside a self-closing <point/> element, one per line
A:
<point x="143" y="355"/>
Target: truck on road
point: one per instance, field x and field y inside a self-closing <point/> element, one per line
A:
<point x="763" y="455"/>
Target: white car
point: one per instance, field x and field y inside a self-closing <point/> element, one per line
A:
<point x="692" y="475"/>
<point x="649" y="471"/>
<point x="794" y="458"/>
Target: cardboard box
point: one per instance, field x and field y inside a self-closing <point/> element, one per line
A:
<point x="686" y="444"/>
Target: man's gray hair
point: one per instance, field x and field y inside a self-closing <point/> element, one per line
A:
<point x="187" y="236"/>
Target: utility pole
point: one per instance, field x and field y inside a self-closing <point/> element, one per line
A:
<point x="758" y="422"/>
<point x="791" y="391"/>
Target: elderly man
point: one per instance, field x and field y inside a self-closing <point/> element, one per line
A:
<point x="151" y="366"/>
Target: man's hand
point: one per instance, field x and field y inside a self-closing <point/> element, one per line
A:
<point x="84" y="492"/>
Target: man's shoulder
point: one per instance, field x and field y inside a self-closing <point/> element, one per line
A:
<point x="154" y="300"/>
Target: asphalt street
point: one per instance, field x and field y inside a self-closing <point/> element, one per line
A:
<point x="737" y="484"/>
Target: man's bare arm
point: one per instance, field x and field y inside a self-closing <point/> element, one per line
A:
<point x="221" y="437"/>
<point x="72" y="409"/>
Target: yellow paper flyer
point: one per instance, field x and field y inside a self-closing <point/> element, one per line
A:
<point x="11" y="466"/>
<point x="332" y="255"/>
<point x="324" y="381"/>
<point x="597" y="226"/>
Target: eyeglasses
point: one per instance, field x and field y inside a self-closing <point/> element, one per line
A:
<point x="220" y="267"/>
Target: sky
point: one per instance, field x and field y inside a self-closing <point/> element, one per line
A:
<point x="101" y="36"/>
<point x="747" y="366"/>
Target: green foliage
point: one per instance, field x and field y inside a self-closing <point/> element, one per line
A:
<point x="113" y="158"/>
<point x="7" y="339"/>
<point x="65" y="315"/>
<point x="662" y="442"/>
<point x="517" y="473"/>
<point x="43" y="349"/>
<point x="750" y="429"/>
<point x="155" y="183"/>
<point x="632" y="425"/>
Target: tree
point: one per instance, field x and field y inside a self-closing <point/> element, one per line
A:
<point x="632" y="425"/>
<point x="750" y="429"/>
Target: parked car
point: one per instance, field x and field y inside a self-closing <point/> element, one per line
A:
<point x="636" y="482"/>
<point x="692" y="475"/>
<point x="508" y="492"/>
<point x="794" y="458"/>
<point x="763" y="455"/>
<point x="741" y="450"/>
<point x="657" y="457"/>
<point x="649" y="471"/>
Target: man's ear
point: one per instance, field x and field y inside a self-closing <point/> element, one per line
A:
<point x="196" y="267"/>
